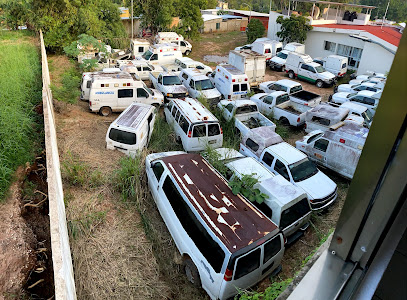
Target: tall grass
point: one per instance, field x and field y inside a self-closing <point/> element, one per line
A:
<point x="20" y="92"/>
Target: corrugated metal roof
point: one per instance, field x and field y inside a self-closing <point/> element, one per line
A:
<point x="230" y="217"/>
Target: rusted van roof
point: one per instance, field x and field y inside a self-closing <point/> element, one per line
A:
<point x="231" y="218"/>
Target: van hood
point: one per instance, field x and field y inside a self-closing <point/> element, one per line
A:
<point x="340" y="97"/>
<point x="175" y="89"/>
<point x="209" y="94"/>
<point x="278" y="60"/>
<point x="344" y="88"/>
<point x="317" y="186"/>
<point x="257" y="96"/>
<point x="326" y="75"/>
<point x="157" y="94"/>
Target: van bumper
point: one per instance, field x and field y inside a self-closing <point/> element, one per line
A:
<point x="321" y="204"/>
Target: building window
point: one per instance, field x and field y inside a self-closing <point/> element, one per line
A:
<point x="329" y="46"/>
<point x="217" y="26"/>
<point x="352" y="53"/>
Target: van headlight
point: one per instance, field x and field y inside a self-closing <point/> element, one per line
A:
<point x="169" y="95"/>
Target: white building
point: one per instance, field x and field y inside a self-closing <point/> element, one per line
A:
<point x="368" y="47"/>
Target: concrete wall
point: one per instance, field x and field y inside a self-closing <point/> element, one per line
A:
<point x="61" y="252"/>
<point x="229" y="25"/>
<point x="375" y="58"/>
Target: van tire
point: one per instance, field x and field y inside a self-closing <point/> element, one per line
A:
<point x="319" y="83"/>
<point x="187" y="52"/>
<point x="191" y="272"/>
<point x="105" y="111"/>
<point x="291" y="75"/>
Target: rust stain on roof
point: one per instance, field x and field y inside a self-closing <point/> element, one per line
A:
<point x="231" y="218"/>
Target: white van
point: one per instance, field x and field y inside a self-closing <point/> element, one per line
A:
<point x="199" y="85"/>
<point x="232" y="83"/>
<point x="278" y="61"/>
<point x="336" y="64"/>
<point x="116" y="94"/>
<point x="138" y="47"/>
<point x="226" y="243"/>
<point x="139" y="69"/>
<point x="268" y="48"/>
<point x="160" y="54"/>
<point x="132" y="130"/>
<point x="86" y="80"/>
<point x="174" y="38"/>
<point x="195" y="126"/>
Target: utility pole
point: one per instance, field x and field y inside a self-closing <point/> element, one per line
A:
<point x="132" y="26"/>
<point x="384" y="17"/>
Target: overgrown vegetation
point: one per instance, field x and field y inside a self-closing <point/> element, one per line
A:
<point x="20" y="93"/>
<point x="293" y="29"/>
<point x="163" y="137"/>
<point x="255" y="29"/>
<point x="271" y="293"/>
<point x="68" y="91"/>
<point x="245" y="186"/>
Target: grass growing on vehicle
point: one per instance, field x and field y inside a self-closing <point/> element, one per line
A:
<point x="20" y="90"/>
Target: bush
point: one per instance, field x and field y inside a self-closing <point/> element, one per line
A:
<point x="255" y="29"/>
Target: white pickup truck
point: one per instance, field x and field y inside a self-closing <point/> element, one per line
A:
<point x="279" y="105"/>
<point x="168" y="84"/>
<point x="246" y="115"/>
<point x="279" y="157"/>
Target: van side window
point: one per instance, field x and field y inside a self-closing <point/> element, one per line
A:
<point x="123" y="137"/>
<point x="235" y="87"/>
<point x="213" y="129"/>
<point x="183" y="123"/>
<point x="170" y="105"/>
<point x="201" y="238"/>
<point x="88" y="83"/>
<point x="141" y="49"/>
<point x="147" y="69"/>
<point x="252" y="145"/>
<point x="268" y="158"/>
<point x="185" y="76"/>
<point x="174" y="111"/>
<point x="247" y="264"/>
<point x="199" y="131"/>
<point x="271" y="248"/>
<point x="321" y="144"/>
<point x="192" y="84"/>
<point x="243" y="87"/>
<point x="141" y="93"/>
<point x="304" y="67"/>
<point x="125" y="93"/>
<point x="177" y="116"/>
<point x="158" y="170"/>
<point x="281" y="169"/>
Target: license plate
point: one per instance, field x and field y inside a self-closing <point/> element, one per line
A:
<point x="212" y="142"/>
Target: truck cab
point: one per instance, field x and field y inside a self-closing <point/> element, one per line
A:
<point x="281" y="158"/>
<point x="168" y="84"/>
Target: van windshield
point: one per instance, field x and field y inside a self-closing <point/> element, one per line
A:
<point x="320" y="69"/>
<point x="282" y="55"/>
<point x="302" y="170"/>
<point x="146" y="55"/>
<point x="351" y="95"/>
<point x="203" y="85"/>
<point x="171" y="80"/>
<point x="294" y="213"/>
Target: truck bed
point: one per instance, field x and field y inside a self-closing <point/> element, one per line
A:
<point x="288" y="106"/>
<point x="254" y="120"/>
<point x="305" y="96"/>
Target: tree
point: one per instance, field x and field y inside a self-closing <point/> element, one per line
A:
<point x="190" y="14"/>
<point x="293" y="29"/>
<point x="15" y="13"/>
<point x="255" y="29"/>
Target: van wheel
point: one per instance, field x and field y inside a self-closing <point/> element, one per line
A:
<point x="291" y="74"/>
<point x="191" y="272"/>
<point x="319" y="83"/>
<point x="187" y="52"/>
<point x="105" y="111"/>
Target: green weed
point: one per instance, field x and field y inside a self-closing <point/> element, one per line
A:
<point x="69" y="90"/>
<point x="20" y="92"/>
<point x="271" y="293"/>
<point x="86" y="224"/>
<point x="163" y="137"/>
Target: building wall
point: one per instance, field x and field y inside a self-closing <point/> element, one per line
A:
<point x="273" y="27"/>
<point x="229" y="25"/>
<point x="264" y="20"/>
<point x="375" y="58"/>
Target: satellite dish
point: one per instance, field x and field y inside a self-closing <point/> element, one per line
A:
<point x="316" y="13"/>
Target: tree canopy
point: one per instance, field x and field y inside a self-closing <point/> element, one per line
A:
<point x="255" y="29"/>
<point x="293" y="29"/>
